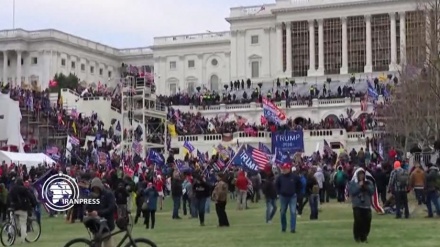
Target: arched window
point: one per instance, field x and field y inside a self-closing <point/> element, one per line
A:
<point x="214" y="83"/>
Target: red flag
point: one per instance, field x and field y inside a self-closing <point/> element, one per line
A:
<point x="53" y="83"/>
<point x="263" y="120"/>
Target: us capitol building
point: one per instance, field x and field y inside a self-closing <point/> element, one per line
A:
<point x="289" y="38"/>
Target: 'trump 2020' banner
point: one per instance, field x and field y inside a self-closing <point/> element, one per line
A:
<point x="288" y="141"/>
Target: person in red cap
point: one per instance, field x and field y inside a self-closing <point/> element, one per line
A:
<point x="399" y="187"/>
<point x="288" y="186"/>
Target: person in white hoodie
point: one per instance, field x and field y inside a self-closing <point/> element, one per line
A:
<point x="319" y="175"/>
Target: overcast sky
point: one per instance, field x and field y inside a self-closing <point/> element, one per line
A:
<point x="122" y="23"/>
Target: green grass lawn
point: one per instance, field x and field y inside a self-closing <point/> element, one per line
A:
<point x="248" y="229"/>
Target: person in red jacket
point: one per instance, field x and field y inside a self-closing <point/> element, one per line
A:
<point x="242" y="186"/>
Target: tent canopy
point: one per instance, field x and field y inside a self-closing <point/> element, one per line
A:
<point x="28" y="159"/>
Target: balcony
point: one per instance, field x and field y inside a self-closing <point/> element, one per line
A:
<point x="256" y="107"/>
<point x="311" y="139"/>
<point x="249" y="11"/>
<point x="192" y="38"/>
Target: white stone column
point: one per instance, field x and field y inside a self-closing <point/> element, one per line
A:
<point x="181" y="67"/>
<point x="344" y="67"/>
<point x="393" y="42"/>
<point x="402" y="39"/>
<point x="18" y="81"/>
<point x="245" y="58"/>
<point x="5" y="67"/>
<point x="279" y="55"/>
<point x="312" y="67"/>
<point x="267" y="53"/>
<point x="321" y="67"/>
<point x="289" y="49"/>
<point x="234" y="63"/>
<point x="202" y="79"/>
<point x="369" y="56"/>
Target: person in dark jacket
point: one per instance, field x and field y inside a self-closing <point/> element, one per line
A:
<point x="381" y="183"/>
<point x="361" y="191"/>
<point x="106" y="206"/>
<point x="312" y="188"/>
<point x="270" y="193"/>
<point x="121" y="195"/>
<point x="141" y="185"/>
<point x="202" y="191"/>
<point x="176" y="193"/>
<point x="21" y="200"/>
<point x="150" y="196"/>
<point x="288" y="186"/>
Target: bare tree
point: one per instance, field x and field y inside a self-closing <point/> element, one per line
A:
<point x="412" y="115"/>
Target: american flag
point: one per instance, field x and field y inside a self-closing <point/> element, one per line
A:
<point x="74" y="113"/>
<point x="74" y="141"/>
<point x="177" y="115"/>
<point x="221" y="165"/>
<point x="259" y="157"/>
<point x="101" y="87"/>
<point x="51" y="150"/>
<point x="327" y="147"/>
<point x="149" y="77"/>
<point x="137" y="147"/>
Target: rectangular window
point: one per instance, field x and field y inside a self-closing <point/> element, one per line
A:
<point x="63" y="62"/>
<point x="83" y="67"/>
<point x="109" y="74"/>
<point x="190" y="87"/>
<point x="73" y="65"/>
<point x="173" y="65"/>
<point x="101" y="71"/>
<point x="173" y="88"/>
<point x="255" y="69"/>
<point x="34" y="60"/>
<point x="254" y="40"/>
<point x="191" y="64"/>
<point x="92" y="70"/>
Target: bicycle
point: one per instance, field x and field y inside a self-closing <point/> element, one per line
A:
<point x="12" y="229"/>
<point x="100" y="231"/>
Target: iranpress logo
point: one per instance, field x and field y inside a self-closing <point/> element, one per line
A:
<point x="61" y="192"/>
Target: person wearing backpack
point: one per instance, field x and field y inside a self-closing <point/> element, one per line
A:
<point x="432" y="190"/>
<point x="399" y="187"/>
<point x="340" y="181"/>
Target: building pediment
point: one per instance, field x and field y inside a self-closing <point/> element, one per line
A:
<point x="254" y="57"/>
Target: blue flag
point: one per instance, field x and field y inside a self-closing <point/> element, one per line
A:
<point x="201" y="157"/>
<point x="231" y="152"/>
<point x="282" y="157"/>
<point x="182" y="166"/>
<point x="245" y="160"/>
<point x="188" y="146"/>
<point x="263" y="148"/>
<point x="156" y="157"/>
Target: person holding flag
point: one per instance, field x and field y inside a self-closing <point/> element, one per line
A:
<point x="361" y="191"/>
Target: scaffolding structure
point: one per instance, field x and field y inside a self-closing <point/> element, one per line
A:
<point x="140" y="108"/>
<point x="39" y="126"/>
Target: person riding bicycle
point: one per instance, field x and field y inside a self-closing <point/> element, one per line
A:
<point x="21" y="201"/>
<point x="105" y="208"/>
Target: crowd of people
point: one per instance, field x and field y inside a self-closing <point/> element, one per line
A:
<point x="207" y="98"/>
<point x="188" y="123"/>
<point x="313" y="179"/>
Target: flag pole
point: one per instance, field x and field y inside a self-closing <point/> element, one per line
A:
<point x="13" y="14"/>
<point x="230" y="161"/>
